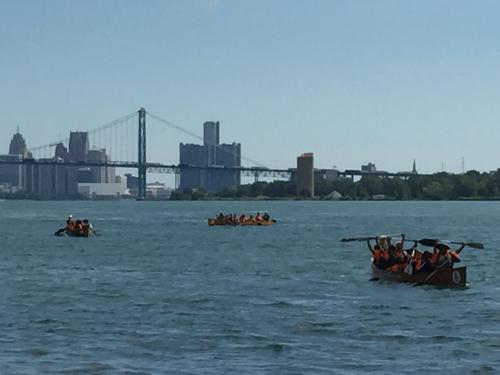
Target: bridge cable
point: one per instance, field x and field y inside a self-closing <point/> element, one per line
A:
<point x="168" y="123"/>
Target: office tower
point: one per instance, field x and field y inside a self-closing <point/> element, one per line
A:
<point x="210" y="141"/>
<point x="220" y="157"/>
<point x="78" y="146"/>
<point x="99" y="174"/>
<point x="61" y="152"/>
<point x="305" y="175"/>
<point x="191" y="154"/>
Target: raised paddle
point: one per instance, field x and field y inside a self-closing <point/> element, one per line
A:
<point x="60" y="232"/>
<point x="432" y="242"/>
<point x="351" y="239"/>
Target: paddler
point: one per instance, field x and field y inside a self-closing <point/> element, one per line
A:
<point x="69" y="222"/>
<point x="443" y="256"/>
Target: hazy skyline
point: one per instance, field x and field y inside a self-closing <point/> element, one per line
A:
<point x="351" y="81"/>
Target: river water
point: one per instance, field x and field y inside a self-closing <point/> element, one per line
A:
<point x="160" y="292"/>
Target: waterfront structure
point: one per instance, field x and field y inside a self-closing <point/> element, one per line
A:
<point x="11" y="174"/>
<point x="50" y="181"/>
<point x="305" y="175"/>
<point x="158" y="190"/>
<point x="210" y="154"/>
<point x="114" y="190"/>
<point x="370" y="167"/>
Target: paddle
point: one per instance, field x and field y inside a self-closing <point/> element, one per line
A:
<point x="368" y="238"/>
<point x="60" y="232"/>
<point x="409" y="268"/>
<point x="432" y="242"/>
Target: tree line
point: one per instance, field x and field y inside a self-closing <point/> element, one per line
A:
<point x="439" y="186"/>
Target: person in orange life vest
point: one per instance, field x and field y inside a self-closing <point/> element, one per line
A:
<point x="383" y="242"/>
<point x="443" y="256"/>
<point x="380" y="257"/>
<point x="400" y="254"/>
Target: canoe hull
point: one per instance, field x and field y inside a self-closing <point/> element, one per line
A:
<point x="214" y="222"/>
<point x="448" y="277"/>
<point x="73" y="233"/>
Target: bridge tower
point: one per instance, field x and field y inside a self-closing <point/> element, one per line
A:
<point x="141" y="160"/>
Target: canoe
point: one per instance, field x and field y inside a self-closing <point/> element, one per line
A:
<point x="448" y="277"/>
<point x="215" y="222"/>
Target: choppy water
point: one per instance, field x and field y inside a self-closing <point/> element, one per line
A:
<point x="161" y="292"/>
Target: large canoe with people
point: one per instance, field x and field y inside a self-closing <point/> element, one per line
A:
<point x="76" y="228"/>
<point x="213" y="222"/>
<point x="243" y="220"/>
<point x="420" y="267"/>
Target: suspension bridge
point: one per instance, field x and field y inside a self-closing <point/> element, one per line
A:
<point x="124" y="141"/>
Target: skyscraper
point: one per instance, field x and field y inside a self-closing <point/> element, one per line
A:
<point x="305" y="175"/>
<point x="210" y="154"/>
<point x="211" y="141"/>
<point x="78" y="146"/>
<point x="61" y="152"/>
<point x="13" y="173"/>
<point x="18" y="145"/>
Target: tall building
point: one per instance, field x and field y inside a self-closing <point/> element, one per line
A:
<point x="305" y="175"/>
<point x="99" y="174"/>
<point x="210" y="154"/>
<point x="228" y="155"/>
<point x="61" y="152"/>
<point x="78" y="146"/>
<point x="191" y="154"/>
<point x="18" y="145"/>
<point x="12" y="174"/>
<point x="211" y="141"/>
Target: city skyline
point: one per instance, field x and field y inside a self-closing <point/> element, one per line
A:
<point x="353" y="82"/>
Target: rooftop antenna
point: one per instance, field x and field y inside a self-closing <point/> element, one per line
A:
<point x="17" y="129"/>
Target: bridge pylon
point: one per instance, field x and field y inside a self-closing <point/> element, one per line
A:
<point x="141" y="159"/>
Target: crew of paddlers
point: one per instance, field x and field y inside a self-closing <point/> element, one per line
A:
<point x="79" y="226"/>
<point x="394" y="258"/>
<point x="233" y="219"/>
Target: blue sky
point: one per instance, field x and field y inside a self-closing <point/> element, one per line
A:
<point x="352" y="81"/>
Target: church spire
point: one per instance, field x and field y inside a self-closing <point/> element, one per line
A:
<point x="414" y="170"/>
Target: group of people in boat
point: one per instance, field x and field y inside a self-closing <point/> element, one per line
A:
<point x="394" y="258"/>
<point x="233" y="219"/>
<point x="78" y="226"/>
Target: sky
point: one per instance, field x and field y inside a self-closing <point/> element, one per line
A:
<point x="356" y="81"/>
